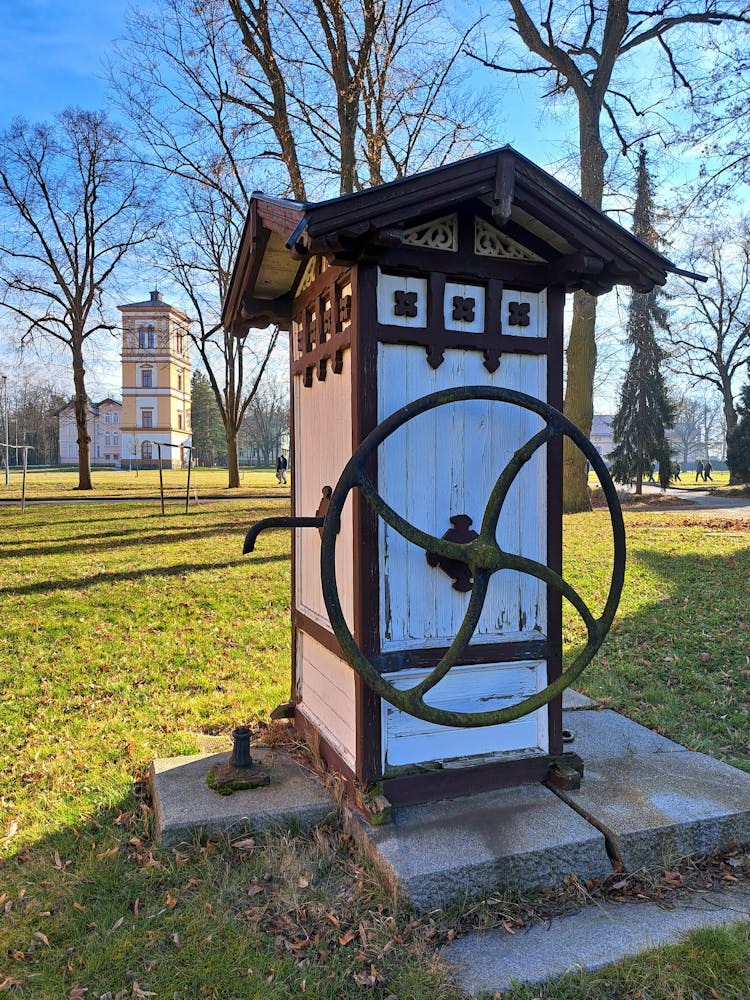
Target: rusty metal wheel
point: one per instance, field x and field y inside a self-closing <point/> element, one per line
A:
<point x="482" y="555"/>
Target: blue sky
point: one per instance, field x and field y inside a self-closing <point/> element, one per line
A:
<point x="51" y="54"/>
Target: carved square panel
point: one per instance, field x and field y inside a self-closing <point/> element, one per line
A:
<point x="524" y="314"/>
<point x="463" y="308"/>
<point x="402" y="301"/>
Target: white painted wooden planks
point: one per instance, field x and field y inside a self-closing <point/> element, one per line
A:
<point x="446" y="462"/>
<point x="323" y="445"/>
<point x="327" y="687"/>
<point x="407" y="740"/>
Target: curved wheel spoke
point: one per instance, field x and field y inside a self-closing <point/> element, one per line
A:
<point x="541" y="572"/>
<point x="461" y="639"/>
<point x="440" y="546"/>
<point x="507" y="477"/>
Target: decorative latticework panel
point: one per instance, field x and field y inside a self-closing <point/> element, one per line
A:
<point x="440" y="234"/>
<point x="490" y="242"/>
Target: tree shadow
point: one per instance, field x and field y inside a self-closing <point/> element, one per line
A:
<point x="83" y="582"/>
<point x="128" y="539"/>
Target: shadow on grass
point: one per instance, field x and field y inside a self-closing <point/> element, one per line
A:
<point x="81" y="583"/>
<point x="678" y="663"/>
<point x="128" y="539"/>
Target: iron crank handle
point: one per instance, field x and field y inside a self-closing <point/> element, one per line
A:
<point x="278" y="522"/>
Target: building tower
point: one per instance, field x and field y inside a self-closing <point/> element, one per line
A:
<point x="155" y="383"/>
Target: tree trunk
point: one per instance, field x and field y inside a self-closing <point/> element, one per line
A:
<point x="81" y="412"/>
<point x="233" y="461"/>
<point x="579" y="400"/>
<point x="581" y="352"/>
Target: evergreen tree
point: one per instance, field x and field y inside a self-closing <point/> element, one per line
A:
<point x="209" y="439"/>
<point x="645" y="412"/>
<point x="738" y="442"/>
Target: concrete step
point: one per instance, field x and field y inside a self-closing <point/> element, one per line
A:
<point x="643" y="799"/>
<point x="598" y="935"/>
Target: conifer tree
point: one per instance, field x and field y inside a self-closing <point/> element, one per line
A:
<point x="738" y="442"/>
<point x="646" y="411"/>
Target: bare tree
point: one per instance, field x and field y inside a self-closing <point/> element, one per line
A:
<point x="354" y="92"/>
<point x="710" y="343"/>
<point x="686" y="433"/>
<point x="197" y="254"/>
<point x="223" y="91"/>
<point x="207" y="149"/>
<point x="267" y="422"/>
<point x="589" y="51"/>
<point x="73" y="208"/>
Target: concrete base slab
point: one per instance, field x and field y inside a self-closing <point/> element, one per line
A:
<point x="605" y="733"/>
<point x="185" y="805"/>
<point x="442" y="852"/>
<point x="491" y="961"/>
<point x="574" y="699"/>
<point x="665" y="804"/>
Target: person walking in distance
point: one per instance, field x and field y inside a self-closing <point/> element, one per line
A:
<point x="281" y="467"/>
<point x="699" y="471"/>
<point x="707" y="470"/>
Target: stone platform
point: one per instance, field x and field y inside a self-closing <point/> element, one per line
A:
<point x="185" y="806"/>
<point x="643" y="800"/>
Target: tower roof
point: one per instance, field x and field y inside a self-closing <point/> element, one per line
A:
<point x="155" y="302"/>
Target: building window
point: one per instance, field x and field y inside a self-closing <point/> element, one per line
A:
<point x="147" y="418"/>
<point x="115" y="439"/>
<point x="115" y="418"/>
<point x="141" y="337"/>
<point x="146" y="378"/>
<point x="147" y="451"/>
<point x="180" y="343"/>
<point x="107" y="441"/>
<point x="107" y="418"/>
<point x="98" y="455"/>
<point x="151" y="337"/>
<point x="180" y="421"/>
<point x="179" y="381"/>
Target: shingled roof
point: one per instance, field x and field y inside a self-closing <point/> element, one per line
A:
<point x="580" y="246"/>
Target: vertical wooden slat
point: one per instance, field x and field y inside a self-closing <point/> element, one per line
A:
<point x="366" y="576"/>
<point x="555" y="310"/>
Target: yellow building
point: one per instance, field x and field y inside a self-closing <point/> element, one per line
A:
<point x="155" y="383"/>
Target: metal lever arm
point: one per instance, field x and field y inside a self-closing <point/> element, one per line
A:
<point x="278" y="522"/>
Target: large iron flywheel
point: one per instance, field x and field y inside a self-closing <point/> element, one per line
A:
<point x="482" y="556"/>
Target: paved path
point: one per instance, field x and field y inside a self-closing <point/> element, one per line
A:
<point x="701" y="502"/>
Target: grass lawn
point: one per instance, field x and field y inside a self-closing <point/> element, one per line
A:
<point x="41" y="483"/>
<point x="127" y="636"/>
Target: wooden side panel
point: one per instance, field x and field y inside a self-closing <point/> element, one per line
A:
<point x="444" y="463"/>
<point x="323" y="445"/>
<point x="407" y="740"/>
<point x="326" y="684"/>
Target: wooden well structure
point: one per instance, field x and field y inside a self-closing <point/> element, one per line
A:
<point x="453" y="277"/>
